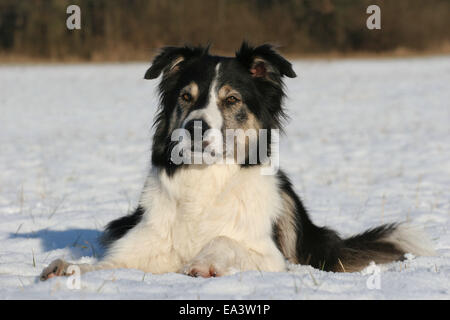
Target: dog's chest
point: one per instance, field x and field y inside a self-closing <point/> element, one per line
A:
<point x="201" y="204"/>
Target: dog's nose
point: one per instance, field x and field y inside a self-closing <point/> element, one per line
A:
<point x="196" y="125"/>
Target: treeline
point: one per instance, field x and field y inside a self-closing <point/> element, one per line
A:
<point x="131" y="29"/>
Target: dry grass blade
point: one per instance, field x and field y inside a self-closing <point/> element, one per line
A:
<point x="342" y="266"/>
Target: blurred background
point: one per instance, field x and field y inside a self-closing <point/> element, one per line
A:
<point x="130" y="30"/>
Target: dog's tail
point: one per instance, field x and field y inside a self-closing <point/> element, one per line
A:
<point x="382" y="244"/>
<point x="322" y="248"/>
<point x="301" y="241"/>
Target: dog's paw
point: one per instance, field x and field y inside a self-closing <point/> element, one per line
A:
<point x="205" y="270"/>
<point x="56" y="269"/>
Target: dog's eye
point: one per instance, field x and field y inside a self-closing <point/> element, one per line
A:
<point x="186" y="97"/>
<point x="231" y="100"/>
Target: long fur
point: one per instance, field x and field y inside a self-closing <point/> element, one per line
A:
<point x="212" y="220"/>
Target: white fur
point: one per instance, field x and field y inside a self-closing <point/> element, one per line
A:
<point x="220" y="215"/>
<point x="411" y="239"/>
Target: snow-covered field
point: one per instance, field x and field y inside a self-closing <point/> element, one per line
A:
<point x="368" y="143"/>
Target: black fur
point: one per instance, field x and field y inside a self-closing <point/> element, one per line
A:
<point x="116" y="229"/>
<point x="322" y="248"/>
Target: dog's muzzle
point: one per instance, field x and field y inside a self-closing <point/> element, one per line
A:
<point x="197" y="129"/>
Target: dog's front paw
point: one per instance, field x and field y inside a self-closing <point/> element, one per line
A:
<point x="55" y="269"/>
<point x="202" y="269"/>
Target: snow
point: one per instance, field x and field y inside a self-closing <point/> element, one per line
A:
<point x="368" y="143"/>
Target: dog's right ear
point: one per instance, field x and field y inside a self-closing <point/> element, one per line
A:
<point x="169" y="60"/>
<point x="264" y="62"/>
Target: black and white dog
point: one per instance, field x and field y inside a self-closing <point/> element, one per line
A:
<point x="219" y="218"/>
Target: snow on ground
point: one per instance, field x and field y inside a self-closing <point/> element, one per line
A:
<point x="368" y="143"/>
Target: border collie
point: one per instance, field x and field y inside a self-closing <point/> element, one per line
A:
<point x="219" y="218"/>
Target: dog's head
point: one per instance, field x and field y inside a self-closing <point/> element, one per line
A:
<point x="208" y="96"/>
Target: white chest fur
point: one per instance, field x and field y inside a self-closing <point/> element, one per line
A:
<point x="195" y="205"/>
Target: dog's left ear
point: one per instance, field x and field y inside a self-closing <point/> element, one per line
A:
<point x="264" y="62"/>
<point x="169" y="60"/>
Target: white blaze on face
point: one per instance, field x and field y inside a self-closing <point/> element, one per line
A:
<point x="212" y="115"/>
